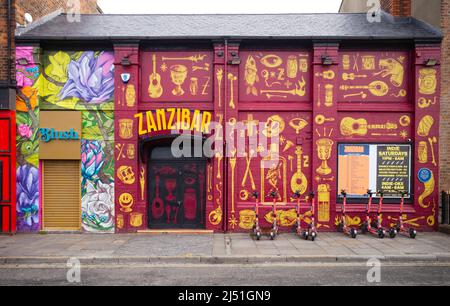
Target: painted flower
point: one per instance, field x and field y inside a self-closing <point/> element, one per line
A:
<point x="92" y="159"/>
<point x="91" y="78"/>
<point x="27" y="190"/>
<point x="29" y="93"/>
<point x="26" y="75"/>
<point x="25" y="131"/>
<point x="98" y="207"/>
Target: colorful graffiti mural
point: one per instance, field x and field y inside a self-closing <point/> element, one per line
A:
<point x="27" y="105"/>
<point x="82" y="81"/>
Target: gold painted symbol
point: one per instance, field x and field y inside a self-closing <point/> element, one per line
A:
<point x="219" y="76"/>
<point x="142" y="183"/>
<point x="292" y="67"/>
<point x="368" y="62"/>
<point x="204" y="68"/>
<point x="405" y="121"/>
<point x="299" y="182"/>
<point x="195" y="59"/>
<point x="394" y="69"/>
<point x="130" y="95"/>
<point x="352" y="76"/>
<point x="433" y="141"/>
<point x="126" y="175"/>
<point x="361" y="94"/>
<point x="429" y="189"/>
<point x="126" y="201"/>
<point x="303" y="63"/>
<point x="360" y="127"/>
<point x="193" y="88"/>
<point x="401" y="94"/>
<point x="247" y="219"/>
<point x="425" y="126"/>
<point x="131" y="151"/>
<point x="248" y="171"/>
<point x="324" y="147"/>
<point x="178" y="74"/>
<point x="327" y="75"/>
<point x="423" y="152"/>
<point x="427" y="81"/>
<point x="321" y="119"/>
<point x="274" y="126"/>
<point x="272" y="61"/>
<point x="329" y="95"/>
<point x="155" y="89"/>
<point x="120" y="222"/>
<point x="251" y="76"/>
<point x="425" y="103"/>
<point x="232" y="79"/>
<point x="324" y="202"/>
<point x="251" y="124"/>
<point x="298" y="124"/>
<point x="346" y="61"/>
<point x="136" y="219"/>
<point x="300" y="90"/>
<point x="233" y="160"/>
<point x="120" y="148"/>
<point x="376" y="88"/>
<point x="126" y="128"/>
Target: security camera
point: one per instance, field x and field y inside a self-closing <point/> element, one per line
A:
<point x="125" y="77"/>
<point x="28" y="18"/>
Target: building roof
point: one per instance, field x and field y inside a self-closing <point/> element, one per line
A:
<point x="285" y="26"/>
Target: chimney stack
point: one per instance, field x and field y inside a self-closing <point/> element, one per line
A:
<point x="397" y="8"/>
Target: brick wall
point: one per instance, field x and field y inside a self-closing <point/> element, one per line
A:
<point x="38" y="9"/>
<point x="397" y="7"/>
<point x="445" y="97"/>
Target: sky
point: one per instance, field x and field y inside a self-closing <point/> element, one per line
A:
<point x="218" y="7"/>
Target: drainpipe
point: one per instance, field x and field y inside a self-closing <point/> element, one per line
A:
<point x="9" y="29"/>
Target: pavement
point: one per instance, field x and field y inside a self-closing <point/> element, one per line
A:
<point x="213" y="249"/>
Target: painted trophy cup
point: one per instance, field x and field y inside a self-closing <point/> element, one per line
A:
<point x="324" y="147"/>
<point x="178" y="74"/>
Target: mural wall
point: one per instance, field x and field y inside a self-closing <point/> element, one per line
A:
<point x="82" y="81"/>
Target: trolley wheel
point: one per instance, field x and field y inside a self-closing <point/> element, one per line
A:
<point x="313" y="236"/>
<point x="272" y="235"/>
<point x="364" y="228"/>
<point x="392" y="233"/>
<point x="305" y="235"/>
<point x="353" y="233"/>
<point x="412" y="233"/>
<point x="258" y="236"/>
<point x="381" y="234"/>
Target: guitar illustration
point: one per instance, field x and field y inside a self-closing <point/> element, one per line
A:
<point x="299" y="182"/>
<point x="360" y="127"/>
<point x="376" y="88"/>
<point x="155" y="89"/>
<point x="158" y="203"/>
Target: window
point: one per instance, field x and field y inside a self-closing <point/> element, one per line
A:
<point x="378" y="167"/>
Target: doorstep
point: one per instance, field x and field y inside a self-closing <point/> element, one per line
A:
<point x="176" y="232"/>
<point x="444" y="229"/>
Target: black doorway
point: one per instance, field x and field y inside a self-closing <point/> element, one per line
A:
<point x="176" y="188"/>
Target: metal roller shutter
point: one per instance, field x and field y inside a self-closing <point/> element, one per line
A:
<point x="61" y="195"/>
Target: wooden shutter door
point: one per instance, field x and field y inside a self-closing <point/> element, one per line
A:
<point x="61" y="195"/>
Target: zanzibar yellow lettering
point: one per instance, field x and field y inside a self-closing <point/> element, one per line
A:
<point x="185" y="119"/>
<point x="140" y="118"/>
<point x="151" y="126"/>
<point x="196" y="121"/>
<point x="164" y="120"/>
<point x="170" y="125"/>
<point x="207" y="117"/>
<point x="161" y="119"/>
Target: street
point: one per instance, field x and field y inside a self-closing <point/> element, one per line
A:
<point x="230" y="275"/>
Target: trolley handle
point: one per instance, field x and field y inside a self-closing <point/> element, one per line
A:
<point x="255" y="195"/>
